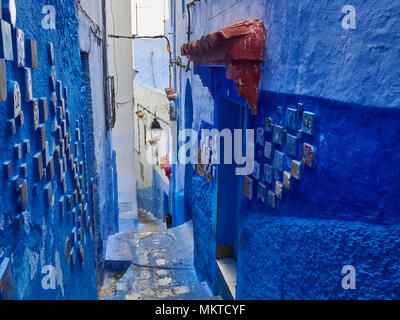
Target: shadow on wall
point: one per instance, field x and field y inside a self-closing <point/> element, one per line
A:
<point x="155" y="198"/>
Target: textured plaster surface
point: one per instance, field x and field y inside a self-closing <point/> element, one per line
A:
<point x="160" y="263"/>
<point x="342" y="211"/>
<point x="41" y="240"/>
<point x="291" y="258"/>
<point x="101" y="155"/>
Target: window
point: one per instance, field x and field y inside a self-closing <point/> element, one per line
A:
<point x="86" y="77"/>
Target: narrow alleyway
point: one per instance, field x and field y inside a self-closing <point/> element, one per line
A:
<point x="147" y="262"/>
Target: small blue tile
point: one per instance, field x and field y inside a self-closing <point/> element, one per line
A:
<point x="43" y="110"/>
<point x="308" y="122"/>
<point x="271" y="199"/>
<point x="65" y="93"/>
<point x="291" y="145"/>
<point x="51" y="53"/>
<point x="38" y="164"/>
<point x="278" y="135"/>
<point x="61" y="204"/>
<point x="278" y="160"/>
<point x="268" y="150"/>
<point x="3" y="80"/>
<point x="247" y="188"/>
<point x="15" y="183"/>
<point x="11" y="128"/>
<point x="48" y="194"/>
<point x="6" y="46"/>
<point x="268" y="124"/>
<point x="24" y="170"/>
<point x="17" y="151"/>
<point x="20" y="120"/>
<point x="7" y="170"/>
<point x="262" y="192"/>
<point x="277" y="174"/>
<point x="14" y="94"/>
<point x="27" y="146"/>
<point x="291" y="118"/>
<point x="41" y="137"/>
<point x="260" y="136"/>
<point x="256" y="171"/>
<point x="53" y="78"/>
<point x="268" y="173"/>
<point x="31" y="53"/>
<point x="9" y="11"/>
<point x="300" y="107"/>
<point x="59" y="89"/>
<point x="53" y="104"/>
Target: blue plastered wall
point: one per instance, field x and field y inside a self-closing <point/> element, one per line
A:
<point x="343" y="211"/>
<point x="39" y="237"/>
<point x="155" y="199"/>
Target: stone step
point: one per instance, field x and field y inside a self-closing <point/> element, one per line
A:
<point x="162" y="266"/>
<point x="121" y="250"/>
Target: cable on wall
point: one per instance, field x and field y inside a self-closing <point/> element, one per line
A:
<point x="189" y="6"/>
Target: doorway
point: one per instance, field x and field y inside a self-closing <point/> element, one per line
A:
<point x="230" y="116"/>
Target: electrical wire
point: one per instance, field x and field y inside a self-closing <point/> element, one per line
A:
<point x="97" y="27"/>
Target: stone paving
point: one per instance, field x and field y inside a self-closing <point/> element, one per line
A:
<point x="157" y="263"/>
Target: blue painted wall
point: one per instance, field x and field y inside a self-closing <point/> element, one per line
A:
<point x="41" y="239"/>
<point x="342" y="211"/>
<point x="150" y="60"/>
<point x="153" y="199"/>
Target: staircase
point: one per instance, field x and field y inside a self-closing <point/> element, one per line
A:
<point x="147" y="262"/>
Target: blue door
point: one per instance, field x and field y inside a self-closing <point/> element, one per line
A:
<point x="230" y="116"/>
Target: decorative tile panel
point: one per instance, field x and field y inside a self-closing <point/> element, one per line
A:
<point x="268" y="174"/>
<point x="308" y="155"/>
<point x="20" y="48"/>
<point x="278" y="160"/>
<point x="279" y="190"/>
<point x="296" y="169"/>
<point x="278" y="135"/>
<point x="287" y="180"/>
<point x="36" y="114"/>
<point x="31" y="54"/>
<point x="308" y="122"/>
<point x="262" y="192"/>
<point x="28" y="85"/>
<point x="268" y="150"/>
<point x="3" y="80"/>
<point x="43" y="110"/>
<point x="6" y="45"/>
<point x="291" y="145"/>
<point x="260" y="136"/>
<point x="271" y="199"/>
<point x="248" y="187"/>
<point x="15" y="103"/>
<point x="291" y="118"/>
